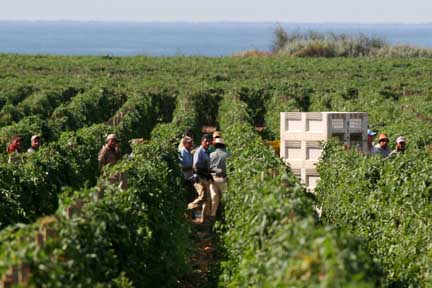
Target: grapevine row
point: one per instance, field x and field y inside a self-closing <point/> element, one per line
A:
<point x="113" y="237"/>
<point x="270" y="234"/>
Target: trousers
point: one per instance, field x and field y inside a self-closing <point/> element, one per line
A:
<point x="203" y="199"/>
<point x="217" y="188"/>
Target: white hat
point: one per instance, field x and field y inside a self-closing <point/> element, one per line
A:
<point x="111" y="136"/>
<point x="400" y="139"/>
<point x="219" y="141"/>
<point x="34" y="137"/>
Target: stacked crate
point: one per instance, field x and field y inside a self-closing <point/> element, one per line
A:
<point x="303" y="133"/>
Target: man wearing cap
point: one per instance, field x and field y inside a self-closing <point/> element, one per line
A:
<point x="202" y="178"/>
<point x="35" y="144"/>
<point x="371" y="136"/>
<point x="109" y="155"/>
<point x="110" y="152"/>
<point x="400" y="146"/>
<point x="219" y="173"/>
<point x="382" y="148"/>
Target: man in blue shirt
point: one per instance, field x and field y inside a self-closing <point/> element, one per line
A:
<point x="202" y="178"/>
<point x="382" y="148"/>
<point x="186" y="157"/>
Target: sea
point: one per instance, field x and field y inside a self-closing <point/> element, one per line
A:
<point x="179" y="39"/>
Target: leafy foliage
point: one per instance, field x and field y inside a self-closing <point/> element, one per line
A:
<point x="269" y="233"/>
<point x="385" y="202"/>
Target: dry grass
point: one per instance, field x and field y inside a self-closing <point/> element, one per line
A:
<point x="253" y="53"/>
<point x="314" y="44"/>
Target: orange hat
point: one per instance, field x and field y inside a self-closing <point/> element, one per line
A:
<point x="382" y="136"/>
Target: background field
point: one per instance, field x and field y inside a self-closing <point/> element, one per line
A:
<point x="376" y="221"/>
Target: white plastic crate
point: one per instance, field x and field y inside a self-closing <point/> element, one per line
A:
<point x="303" y="133"/>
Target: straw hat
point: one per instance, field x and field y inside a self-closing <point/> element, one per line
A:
<point x="217" y="134"/>
<point x="219" y="141"/>
<point x="382" y="136"/>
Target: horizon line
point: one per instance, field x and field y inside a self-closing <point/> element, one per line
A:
<point x="214" y="22"/>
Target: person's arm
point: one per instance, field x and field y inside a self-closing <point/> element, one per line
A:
<point x="195" y="160"/>
<point x="214" y="164"/>
<point x="101" y="157"/>
<point x="184" y="158"/>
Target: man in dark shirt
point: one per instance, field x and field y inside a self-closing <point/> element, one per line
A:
<point x="202" y="177"/>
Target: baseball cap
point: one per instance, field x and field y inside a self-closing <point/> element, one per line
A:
<point x="401" y="139"/>
<point x="111" y="136"/>
<point x="34" y="137"/>
<point x="371" y="133"/>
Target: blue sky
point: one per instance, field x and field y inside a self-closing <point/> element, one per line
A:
<point x="412" y="11"/>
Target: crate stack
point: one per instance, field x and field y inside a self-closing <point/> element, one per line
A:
<point x="302" y="135"/>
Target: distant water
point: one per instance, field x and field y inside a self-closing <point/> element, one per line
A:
<point x="170" y="39"/>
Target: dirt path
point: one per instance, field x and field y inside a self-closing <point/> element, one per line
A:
<point x="203" y="260"/>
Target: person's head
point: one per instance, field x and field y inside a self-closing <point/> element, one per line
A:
<point x="216" y="134"/>
<point x="400" y="144"/>
<point x="383" y="140"/>
<point x="35" y="142"/>
<point x="111" y="141"/>
<point x="206" y="140"/>
<point x="371" y="136"/>
<point x="17" y="141"/>
<point x="219" y="143"/>
<point x="187" y="143"/>
<point x="15" y="144"/>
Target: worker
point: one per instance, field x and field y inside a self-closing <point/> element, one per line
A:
<point x="215" y="135"/>
<point x="109" y="155"/>
<point x="202" y="178"/>
<point x="370" y="138"/>
<point x="186" y="162"/>
<point x="14" y="148"/>
<point x="219" y="173"/>
<point x="188" y="133"/>
<point x="400" y="146"/>
<point x="186" y="157"/>
<point x="382" y="148"/>
<point x="35" y="143"/>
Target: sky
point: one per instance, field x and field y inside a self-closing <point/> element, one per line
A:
<point x="353" y="11"/>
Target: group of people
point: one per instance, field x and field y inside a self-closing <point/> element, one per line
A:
<point x="15" y="147"/>
<point x="204" y="168"/>
<point x="109" y="154"/>
<point x="382" y="148"/>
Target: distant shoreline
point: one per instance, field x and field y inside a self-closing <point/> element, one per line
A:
<point x="230" y="22"/>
